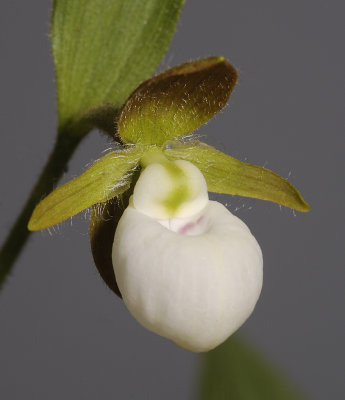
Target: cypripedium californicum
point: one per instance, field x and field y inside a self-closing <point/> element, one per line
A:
<point x="185" y="267"/>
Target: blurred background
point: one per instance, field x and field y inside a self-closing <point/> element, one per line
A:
<point x="63" y="334"/>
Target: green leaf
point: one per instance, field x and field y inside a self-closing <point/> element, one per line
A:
<point x="107" y="178"/>
<point x="104" y="48"/>
<point x="234" y="371"/>
<point x="225" y="174"/>
<point x="176" y="102"/>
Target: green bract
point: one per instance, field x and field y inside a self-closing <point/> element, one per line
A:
<point x="103" y="49"/>
<point x="152" y="125"/>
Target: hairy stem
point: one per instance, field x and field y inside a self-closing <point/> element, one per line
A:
<point x="64" y="148"/>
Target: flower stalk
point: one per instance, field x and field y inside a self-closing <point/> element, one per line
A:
<point x="63" y="150"/>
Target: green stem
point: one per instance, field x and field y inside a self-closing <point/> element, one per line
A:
<point x="64" y="148"/>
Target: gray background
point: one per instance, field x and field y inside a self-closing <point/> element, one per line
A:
<point x="63" y="335"/>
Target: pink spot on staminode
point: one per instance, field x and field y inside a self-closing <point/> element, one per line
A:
<point x="188" y="227"/>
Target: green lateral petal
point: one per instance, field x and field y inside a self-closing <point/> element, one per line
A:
<point x="176" y="102"/>
<point x="235" y="371"/>
<point x="108" y="177"/>
<point x="225" y="174"/>
<point x="103" y="49"/>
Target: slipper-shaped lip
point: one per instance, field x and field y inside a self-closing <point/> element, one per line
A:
<point x="195" y="284"/>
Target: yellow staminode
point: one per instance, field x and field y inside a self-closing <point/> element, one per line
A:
<point x="169" y="189"/>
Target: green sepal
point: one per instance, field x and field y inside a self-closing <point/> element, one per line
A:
<point x="107" y="178"/>
<point x="225" y="174"/>
<point x="176" y="102"/>
<point x="103" y="49"/>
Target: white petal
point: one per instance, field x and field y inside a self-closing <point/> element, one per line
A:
<point x="195" y="288"/>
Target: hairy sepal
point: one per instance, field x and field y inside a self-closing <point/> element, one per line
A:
<point x="225" y="174"/>
<point x="107" y="178"/>
<point x="176" y="102"/>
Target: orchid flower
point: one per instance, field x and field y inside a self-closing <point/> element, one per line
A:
<point x="185" y="267"/>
